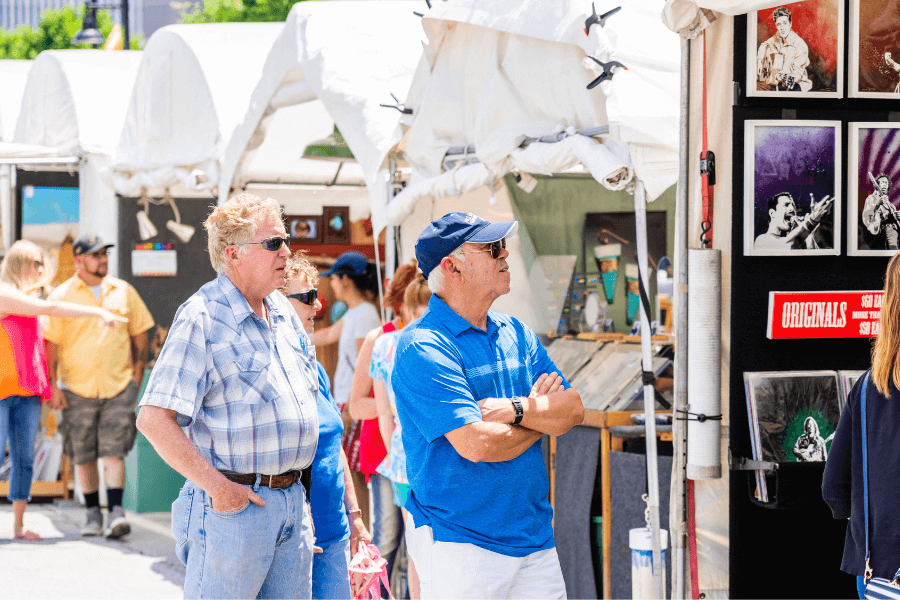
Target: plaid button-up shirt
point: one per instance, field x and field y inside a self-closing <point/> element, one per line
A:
<point x="244" y="391"/>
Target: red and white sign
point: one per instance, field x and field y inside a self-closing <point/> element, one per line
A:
<point x="805" y="315"/>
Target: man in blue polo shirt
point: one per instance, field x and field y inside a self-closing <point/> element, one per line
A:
<point x="475" y="392"/>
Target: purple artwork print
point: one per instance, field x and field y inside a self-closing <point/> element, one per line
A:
<point x="877" y="170"/>
<point x="794" y="177"/>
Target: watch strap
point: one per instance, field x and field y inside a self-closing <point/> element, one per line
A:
<point x="519" y="408"/>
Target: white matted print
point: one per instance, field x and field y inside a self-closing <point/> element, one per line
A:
<point x="796" y="50"/>
<point x="792" y="176"/>
<point x="873" y="195"/>
<point x="874" y="49"/>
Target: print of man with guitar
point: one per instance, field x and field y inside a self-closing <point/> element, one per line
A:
<point x="880" y="215"/>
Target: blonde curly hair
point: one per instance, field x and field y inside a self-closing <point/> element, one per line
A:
<point x="298" y="265"/>
<point x="235" y="222"/>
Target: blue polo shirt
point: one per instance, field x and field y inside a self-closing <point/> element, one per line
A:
<point x="443" y="366"/>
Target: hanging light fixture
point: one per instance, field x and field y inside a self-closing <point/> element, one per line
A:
<point x="333" y="149"/>
<point x="183" y="232"/>
<point x="146" y="228"/>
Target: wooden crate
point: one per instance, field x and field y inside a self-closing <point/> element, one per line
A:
<point x="48" y="489"/>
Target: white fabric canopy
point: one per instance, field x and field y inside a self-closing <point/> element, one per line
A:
<point x="499" y="73"/>
<point x="14" y="75"/>
<point x="688" y="17"/>
<point x="350" y="56"/>
<point x="192" y="89"/>
<point x="75" y="100"/>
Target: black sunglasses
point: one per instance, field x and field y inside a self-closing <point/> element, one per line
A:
<point x="271" y="244"/>
<point x="495" y="249"/>
<point x="308" y="297"/>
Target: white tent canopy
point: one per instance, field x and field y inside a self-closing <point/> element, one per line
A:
<point x="72" y="111"/>
<point x="481" y="88"/>
<point x="191" y="91"/>
<point x="75" y="100"/>
<point x="14" y="75"/>
<point x="350" y="56"/>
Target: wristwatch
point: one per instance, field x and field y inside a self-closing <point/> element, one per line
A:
<point x="520" y="410"/>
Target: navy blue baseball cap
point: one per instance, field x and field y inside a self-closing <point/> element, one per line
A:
<point x="88" y="244"/>
<point x="451" y="231"/>
<point x="348" y="263"/>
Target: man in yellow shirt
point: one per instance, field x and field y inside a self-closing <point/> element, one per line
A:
<point x="95" y="374"/>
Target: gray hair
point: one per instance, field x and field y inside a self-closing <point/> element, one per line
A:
<point x="436" y="277"/>
<point x="235" y="222"/>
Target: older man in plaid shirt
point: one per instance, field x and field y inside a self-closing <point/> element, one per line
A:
<point x="231" y="405"/>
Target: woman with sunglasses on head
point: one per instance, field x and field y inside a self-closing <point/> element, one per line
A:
<point x="23" y="365"/>
<point x="335" y="510"/>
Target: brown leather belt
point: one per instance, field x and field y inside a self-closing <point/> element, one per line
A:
<point x="275" y="482"/>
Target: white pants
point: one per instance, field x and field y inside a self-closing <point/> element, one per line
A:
<point x="449" y="570"/>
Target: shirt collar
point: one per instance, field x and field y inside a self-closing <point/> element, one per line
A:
<point x="106" y="283"/>
<point x="238" y="303"/>
<point x="455" y="323"/>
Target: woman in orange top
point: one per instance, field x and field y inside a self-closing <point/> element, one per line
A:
<point x="23" y="365"/>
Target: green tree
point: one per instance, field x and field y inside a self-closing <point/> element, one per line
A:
<point x="55" y="32"/>
<point x="237" y="11"/>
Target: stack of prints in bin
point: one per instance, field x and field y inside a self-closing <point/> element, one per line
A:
<point x="846" y="381"/>
<point x="793" y="416"/>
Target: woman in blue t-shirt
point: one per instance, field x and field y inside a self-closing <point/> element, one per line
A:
<point x="334" y="497"/>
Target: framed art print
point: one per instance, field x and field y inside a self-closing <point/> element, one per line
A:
<point x="796" y="50"/>
<point x="874" y="217"/>
<point x="304" y="229"/>
<point x="792" y="176"/>
<point x="874" y="49"/>
<point x="336" y="224"/>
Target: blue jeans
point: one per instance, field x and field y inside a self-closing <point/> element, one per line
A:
<point x="386" y="524"/>
<point x="254" y="552"/>
<point x="19" y="420"/>
<point x="331" y="572"/>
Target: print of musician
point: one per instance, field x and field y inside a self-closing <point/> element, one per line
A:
<point x="810" y="446"/>
<point x="880" y="217"/>
<point x="782" y="60"/>
<point x="788" y="231"/>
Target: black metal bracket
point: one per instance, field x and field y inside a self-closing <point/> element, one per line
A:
<point x="739" y="463"/>
<point x="708" y="166"/>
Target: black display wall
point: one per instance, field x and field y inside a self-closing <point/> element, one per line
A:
<point x="787" y="553"/>
<point x="163" y="295"/>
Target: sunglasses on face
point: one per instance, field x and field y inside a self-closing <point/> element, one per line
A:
<point x="308" y="297"/>
<point x="495" y="249"/>
<point x="272" y="244"/>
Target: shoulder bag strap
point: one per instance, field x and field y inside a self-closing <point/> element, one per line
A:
<point x="865" y="462"/>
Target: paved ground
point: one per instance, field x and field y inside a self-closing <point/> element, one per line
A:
<point x="66" y="565"/>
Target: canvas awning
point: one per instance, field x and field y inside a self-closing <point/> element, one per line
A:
<point x="479" y="88"/>
<point x="350" y="56"/>
<point x="192" y="89"/>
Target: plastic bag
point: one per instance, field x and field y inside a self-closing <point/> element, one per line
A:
<point x="367" y="571"/>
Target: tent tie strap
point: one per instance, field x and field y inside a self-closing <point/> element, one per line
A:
<point x="740" y="463"/>
<point x="707" y="169"/>
<point x="699" y="417"/>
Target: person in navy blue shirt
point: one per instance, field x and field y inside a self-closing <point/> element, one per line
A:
<point x="842" y="483"/>
<point x="475" y="392"/>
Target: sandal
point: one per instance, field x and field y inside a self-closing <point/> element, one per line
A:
<point x="28" y="536"/>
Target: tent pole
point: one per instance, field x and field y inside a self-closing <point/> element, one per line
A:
<point x="640" y="216"/>
<point x="677" y="499"/>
